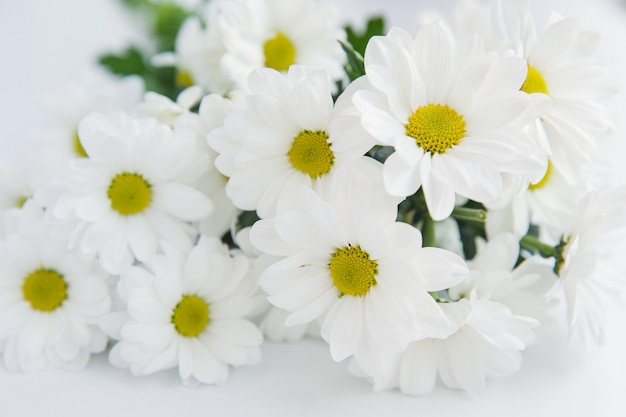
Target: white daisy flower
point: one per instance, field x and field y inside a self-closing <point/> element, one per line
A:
<point x="58" y="142"/>
<point x="590" y="263"/>
<point x="164" y="109"/>
<point x="133" y="189"/>
<point x="352" y="266"/>
<point x="491" y="318"/>
<point x="549" y="202"/>
<point x="187" y="312"/>
<point x="277" y="34"/>
<point x="15" y="187"/>
<point x="198" y="53"/>
<point x="560" y="65"/>
<point x="51" y="298"/>
<point x="453" y="114"/>
<point x="289" y="135"/>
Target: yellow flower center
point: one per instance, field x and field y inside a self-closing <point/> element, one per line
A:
<point x="310" y="153"/>
<point x="45" y="290"/>
<point x="184" y="78"/>
<point x="19" y="203"/>
<point x="436" y="127"/>
<point x="129" y="193"/>
<point x="352" y="271"/>
<point x="542" y="182"/>
<point x="78" y="147"/>
<point x="534" y="82"/>
<point x="280" y="52"/>
<point x="191" y="316"/>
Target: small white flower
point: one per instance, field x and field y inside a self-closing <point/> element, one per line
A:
<point x="15" y="187"/>
<point x="560" y="65"/>
<point x="453" y="114"/>
<point x="164" y="109"/>
<point x="133" y="189"/>
<point x="490" y="320"/>
<point x="51" y="298"/>
<point x="592" y="266"/>
<point x="186" y="312"/>
<point x="277" y="34"/>
<point x="289" y="135"/>
<point x="53" y="146"/>
<point x="352" y="266"/>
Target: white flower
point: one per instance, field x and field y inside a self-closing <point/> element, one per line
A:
<point x="198" y="54"/>
<point x="133" y="189"/>
<point x="58" y="142"/>
<point x="591" y="268"/>
<point x="15" y="187"/>
<point x="51" y="298"/>
<point x="351" y="265"/>
<point x="289" y="135"/>
<point x="186" y="312"/>
<point x="549" y="202"/>
<point x="277" y="34"/>
<point x="560" y="65"/>
<point x="490" y="320"/>
<point x="453" y="114"/>
<point x="165" y="110"/>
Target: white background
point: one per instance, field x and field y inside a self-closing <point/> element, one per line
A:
<point x="44" y="44"/>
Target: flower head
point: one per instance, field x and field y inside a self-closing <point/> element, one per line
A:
<point x="453" y="114"/>
<point x="51" y="298"/>
<point x="186" y="312"/>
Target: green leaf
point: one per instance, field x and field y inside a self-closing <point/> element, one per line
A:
<point x="354" y="66"/>
<point x="129" y="62"/>
<point x="375" y="26"/>
<point x="168" y="18"/>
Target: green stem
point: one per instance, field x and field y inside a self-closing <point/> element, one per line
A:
<point x="535" y="245"/>
<point x="428" y="232"/>
<point x="469" y="214"/>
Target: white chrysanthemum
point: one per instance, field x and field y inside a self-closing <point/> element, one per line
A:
<point x="164" y="109"/>
<point x="198" y="53"/>
<point x="279" y="33"/>
<point x="211" y="114"/>
<point x="289" y="135"/>
<point x="561" y="65"/>
<point x="133" y="189"/>
<point x="186" y="312"/>
<point x="549" y="203"/>
<point x="494" y="311"/>
<point x="51" y="298"/>
<point x="350" y="264"/>
<point x="453" y="114"/>
<point x="592" y="269"/>
<point x="58" y="142"/>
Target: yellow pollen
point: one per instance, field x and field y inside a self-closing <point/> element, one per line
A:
<point x="352" y="271"/>
<point x="310" y="153"/>
<point x="542" y="182"/>
<point x="45" y="290"/>
<point x="78" y="147"/>
<point x="534" y="82"/>
<point x="191" y="316"/>
<point x="129" y="193"/>
<point x="184" y="78"/>
<point x="436" y="127"/>
<point x="21" y="201"/>
<point x="280" y="52"/>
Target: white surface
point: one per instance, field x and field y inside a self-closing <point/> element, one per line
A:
<point x="44" y="44"/>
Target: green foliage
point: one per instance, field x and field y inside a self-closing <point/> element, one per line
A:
<point x="167" y="19"/>
<point x="354" y="66"/>
<point x="375" y="26"/>
<point x="132" y="62"/>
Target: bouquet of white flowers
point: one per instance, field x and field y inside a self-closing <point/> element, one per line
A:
<point x="420" y="201"/>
